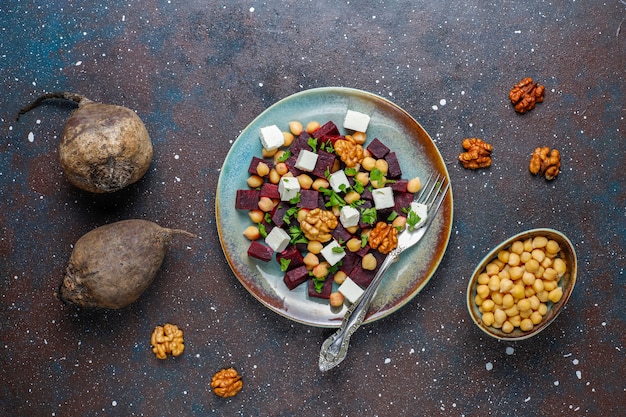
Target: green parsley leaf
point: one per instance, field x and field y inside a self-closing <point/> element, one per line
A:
<point x="319" y="284"/>
<point x="412" y="219"/>
<point x="338" y="249"/>
<point x="351" y="172"/>
<point x="284" y="264"/>
<point x="284" y="156"/>
<point x="296" y="199"/>
<point x="392" y="216"/>
<point x="268" y="218"/>
<point x="376" y="175"/>
<point x="364" y="240"/>
<point x="262" y="230"/>
<point x="368" y="215"/>
<point x="312" y="142"/>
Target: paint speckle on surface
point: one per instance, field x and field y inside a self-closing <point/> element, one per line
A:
<point x="489" y="366"/>
<point x="509" y="350"/>
<point x="31" y="137"/>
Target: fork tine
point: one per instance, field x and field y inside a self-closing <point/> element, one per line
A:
<point x="433" y="208"/>
<point x="427" y="188"/>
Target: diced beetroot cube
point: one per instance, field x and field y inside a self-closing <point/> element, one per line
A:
<point x="399" y="186"/>
<point x="367" y="196"/>
<point x="394" y="170"/>
<point x="260" y="251"/>
<point x="362" y="277"/>
<point x="340" y="233"/>
<point x="378" y="149"/>
<point x="402" y="201"/>
<point x="349" y="262"/>
<point x="326" y="289"/>
<point x="299" y="143"/>
<point x="291" y="165"/>
<point x="255" y="162"/>
<point x="363" y="251"/>
<point x="328" y="129"/>
<point x="308" y="199"/>
<point x="278" y="214"/>
<point x="296" y="276"/>
<point x="269" y="190"/>
<point x="324" y="163"/>
<point x="247" y="199"/>
<point x="291" y="254"/>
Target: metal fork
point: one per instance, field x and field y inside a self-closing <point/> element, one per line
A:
<point x="335" y="348"/>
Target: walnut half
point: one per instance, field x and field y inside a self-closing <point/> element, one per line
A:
<point x="318" y="225"/>
<point x="545" y="162"/>
<point x="383" y="237"/>
<point x="525" y="94"/>
<point x="226" y="383"/>
<point x="477" y="154"/>
<point x="167" y="339"/>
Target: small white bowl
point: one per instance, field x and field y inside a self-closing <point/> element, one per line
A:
<point x="567" y="282"/>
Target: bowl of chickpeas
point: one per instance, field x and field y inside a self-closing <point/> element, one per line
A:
<point x="521" y="286"/>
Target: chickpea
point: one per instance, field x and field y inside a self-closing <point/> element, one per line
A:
<point x="266" y="204"/>
<point x="351" y="197"/>
<point x="311" y="260"/>
<point x="507" y="301"/>
<point x="543" y="297"/>
<point x="536" y="317"/>
<point x="549" y="274"/>
<point x="382" y="166"/>
<point x="281" y="168"/>
<point x="368" y="163"/>
<point x="363" y="178"/>
<point x="352" y="229"/>
<point x="369" y="262"/>
<point x="478" y="301"/>
<point x="525" y="257"/>
<point x="340" y="277"/>
<point x="296" y="128"/>
<point x="320" y="183"/>
<point x="256" y="216"/>
<point x="547" y="262"/>
<point x="278" y="155"/>
<point x="506" y="285"/>
<point x="538" y="255"/>
<point x="517" y="291"/>
<point x="528" y="245"/>
<point x="497" y="298"/>
<point x="553" y="247"/>
<point x="483" y="278"/>
<point x="540" y="242"/>
<point x="254" y="181"/>
<point x="526" y="325"/>
<point x="494" y="283"/>
<point x="354" y="244"/>
<point x="549" y="285"/>
<point x="543" y="309"/>
<point x="492" y="268"/>
<point x="514" y="258"/>
<point x="534" y="302"/>
<point x="488" y="318"/>
<point x="499" y="316"/>
<point x="262" y="169"/>
<point x="524" y="304"/>
<point x="359" y="137"/>
<point x="268" y="154"/>
<point x="320" y="270"/>
<point x="301" y="215"/>
<point x="559" y="266"/>
<point x="507" y="327"/>
<point x="312" y="127"/>
<point x="399" y="222"/>
<point x="336" y="299"/>
<point x="516" y="272"/>
<point x="528" y="278"/>
<point x="503" y="255"/>
<point x="538" y="285"/>
<point x="288" y="136"/>
<point x="517" y="247"/>
<point x="314" y="246"/>
<point x="252" y="233"/>
<point x="274" y="176"/>
<point x="532" y="266"/>
<point x="305" y="181"/>
<point x="379" y="183"/>
<point x="414" y="185"/>
<point x="482" y="291"/>
<point x="488" y="305"/>
<point x="515" y="320"/>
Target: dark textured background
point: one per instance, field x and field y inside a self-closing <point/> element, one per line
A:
<point x="197" y="72"/>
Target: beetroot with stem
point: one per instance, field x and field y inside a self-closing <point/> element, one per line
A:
<point x="104" y="147"/>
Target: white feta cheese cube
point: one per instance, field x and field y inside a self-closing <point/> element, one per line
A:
<point x="331" y="254"/>
<point x="355" y="120"/>
<point x="421" y="210"/>
<point x="288" y="188"/>
<point x="337" y="179"/>
<point x="277" y="239"/>
<point x="349" y="216"/>
<point x="306" y="160"/>
<point x="383" y="198"/>
<point x="350" y="290"/>
<point x="272" y="137"/>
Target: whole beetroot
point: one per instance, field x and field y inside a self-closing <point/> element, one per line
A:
<point x="112" y="265"/>
<point x="104" y="147"/>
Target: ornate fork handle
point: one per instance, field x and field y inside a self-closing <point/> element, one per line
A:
<point x="335" y="348"/>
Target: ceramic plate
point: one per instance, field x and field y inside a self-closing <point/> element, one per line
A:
<point x="418" y="156"/>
